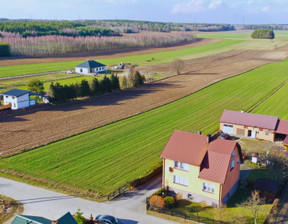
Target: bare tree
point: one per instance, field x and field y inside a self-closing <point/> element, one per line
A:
<point x="178" y="65"/>
<point x="254" y="203"/>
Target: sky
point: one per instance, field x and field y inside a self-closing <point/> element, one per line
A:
<point x="188" y="11"/>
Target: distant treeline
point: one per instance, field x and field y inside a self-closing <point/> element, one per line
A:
<point x="270" y="27"/>
<point x="100" y="27"/>
<point x="4" y="49"/>
<point x="72" y="91"/>
<point x="134" y="26"/>
<point x="263" y="34"/>
<point x="63" y="28"/>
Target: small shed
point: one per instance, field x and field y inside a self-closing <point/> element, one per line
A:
<point x="90" y="67"/>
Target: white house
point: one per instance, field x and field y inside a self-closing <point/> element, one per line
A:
<point x="89" y="67"/>
<point x="18" y="98"/>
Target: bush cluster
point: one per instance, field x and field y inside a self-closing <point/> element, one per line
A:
<point x="134" y="79"/>
<point x="161" y="199"/>
<point x="263" y="34"/>
<point x="72" y="91"/>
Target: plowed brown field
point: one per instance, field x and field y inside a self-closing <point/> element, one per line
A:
<point x="41" y="127"/>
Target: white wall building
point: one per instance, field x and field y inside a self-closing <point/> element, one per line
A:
<point x="17" y="98"/>
<point x="89" y="67"/>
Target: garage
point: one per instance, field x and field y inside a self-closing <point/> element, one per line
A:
<point x="228" y="128"/>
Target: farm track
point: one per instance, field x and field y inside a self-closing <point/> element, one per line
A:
<point x="31" y="130"/>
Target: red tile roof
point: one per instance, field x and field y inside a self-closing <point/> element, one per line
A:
<point x="285" y="141"/>
<point x="215" y="167"/>
<point x="213" y="157"/>
<point x="252" y="120"/>
<point x="282" y="127"/>
<point x="186" y="147"/>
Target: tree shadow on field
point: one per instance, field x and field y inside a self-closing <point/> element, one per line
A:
<point x="114" y="98"/>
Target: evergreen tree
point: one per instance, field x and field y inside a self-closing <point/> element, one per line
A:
<point x="95" y="87"/>
<point x="84" y="88"/>
<point x="124" y="82"/>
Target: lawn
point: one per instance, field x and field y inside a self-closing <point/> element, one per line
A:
<point x="161" y="57"/>
<point x="229" y="214"/>
<point x="276" y="105"/>
<point x="225" y="35"/>
<point x="106" y="158"/>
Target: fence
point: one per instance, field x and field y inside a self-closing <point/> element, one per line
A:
<point x="180" y="214"/>
<point x="120" y="191"/>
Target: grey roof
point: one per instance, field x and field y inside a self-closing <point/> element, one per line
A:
<point x="251" y="120"/>
<point x="22" y="219"/>
<point x="16" y="92"/>
<point x="90" y="64"/>
<point x="67" y="219"/>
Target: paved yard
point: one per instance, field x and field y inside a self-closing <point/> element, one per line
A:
<point x="52" y="205"/>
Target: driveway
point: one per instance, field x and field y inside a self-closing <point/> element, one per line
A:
<point x="130" y="209"/>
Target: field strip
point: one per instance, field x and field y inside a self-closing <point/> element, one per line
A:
<point x="109" y="157"/>
<point x="158" y="58"/>
<point x="269" y="96"/>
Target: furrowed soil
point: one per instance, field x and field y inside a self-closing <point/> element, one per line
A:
<point x="41" y="127"/>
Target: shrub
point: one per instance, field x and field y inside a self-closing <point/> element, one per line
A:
<point x="170" y="202"/>
<point x="263" y="34"/>
<point x="161" y="192"/>
<point x="157" y="201"/>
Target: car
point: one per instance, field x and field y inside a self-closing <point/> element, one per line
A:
<point x="224" y="136"/>
<point x="106" y="219"/>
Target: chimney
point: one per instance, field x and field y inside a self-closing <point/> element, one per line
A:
<point x="242" y="111"/>
<point x="199" y="132"/>
<point x="208" y="138"/>
<point x="54" y="222"/>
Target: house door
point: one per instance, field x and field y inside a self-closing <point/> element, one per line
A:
<point x="228" y="129"/>
<point x="251" y="134"/>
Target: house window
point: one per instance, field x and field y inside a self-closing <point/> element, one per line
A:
<point x="232" y="165"/>
<point x="13" y="97"/>
<point x="266" y="133"/>
<point x="6" y="96"/>
<point x="180" y="180"/>
<point x="81" y="70"/>
<point x="14" y="104"/>
<point x="208" y="188"/>
<point x="233" y="153"/>
<point x="181" y="166"/>
<point x="237" y="160"/>
<point x="260" y="129"/>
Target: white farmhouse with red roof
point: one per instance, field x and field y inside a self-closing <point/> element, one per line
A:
<point x="201" y="168"/>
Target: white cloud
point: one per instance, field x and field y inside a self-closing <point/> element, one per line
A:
<point x="266" y="9"/>
<point x="215" y="4"/>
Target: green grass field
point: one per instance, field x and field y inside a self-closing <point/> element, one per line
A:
<point x="276" y="105"/>
<point x="21" y="83"/>
<point x="225" y="35"/>
<point x="161" y="57"/>
<point x="108" y="157"/>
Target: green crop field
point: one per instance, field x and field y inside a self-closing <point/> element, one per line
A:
<point x="276" y="105"/>
<point x="106" y="158"/>
<point x="225" y="35"/>
<point x="161" y="57"/>
<point x="21" y="83"/>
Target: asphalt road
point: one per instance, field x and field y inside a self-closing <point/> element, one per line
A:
<point x="129" y="209"/>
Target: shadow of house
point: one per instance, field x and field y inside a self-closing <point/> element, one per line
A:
<point x="268" y="187"/>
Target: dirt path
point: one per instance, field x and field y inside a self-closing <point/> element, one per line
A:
<point x="41" y="127"/>
<point x="102" y="54"/>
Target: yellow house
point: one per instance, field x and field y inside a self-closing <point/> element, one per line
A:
<point x="256" y="126"/>
<point x="201" y="168"/>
